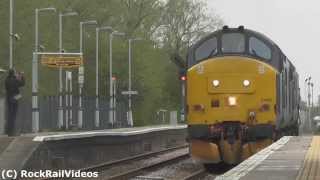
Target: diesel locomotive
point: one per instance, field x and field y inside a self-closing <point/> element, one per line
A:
<point x="242" y="94"/>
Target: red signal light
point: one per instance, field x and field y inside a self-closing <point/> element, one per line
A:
<point x="183" y="78"/>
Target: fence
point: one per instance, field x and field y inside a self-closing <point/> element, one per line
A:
<point x="48" y="120"/>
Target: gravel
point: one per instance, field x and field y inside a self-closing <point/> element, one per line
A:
<point x="175" y="171"/>
<point x="139" y="163"/>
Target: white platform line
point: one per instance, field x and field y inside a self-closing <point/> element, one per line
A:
<point x="125" y="132"/>
<point x="246" y="166"/>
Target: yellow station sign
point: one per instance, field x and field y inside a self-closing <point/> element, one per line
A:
<point x="58" y="61"/>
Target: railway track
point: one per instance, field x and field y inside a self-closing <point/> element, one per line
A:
<point x="123" y="168"/>
<point x="145" y="170"/>
<point x="197" y="175"/>
<point x="107" y="165"/>
<point x="183" y="170"/>
<point x="135" y="172"/>
<point x="168" y="164"/>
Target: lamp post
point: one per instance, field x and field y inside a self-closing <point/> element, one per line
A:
<point x="130" y="117"/>
<point x="60" y="111"/>
<point x="10" y="36"/>
<point x="35" y="105"/>
<point x="97" y="112"/>
<point x="306" y="90"/>
<point x="312" y="95"/>
<point x="308" y="80"/>
<point x="112" y="115"/>
<point x="311" y="110"/>
<point x="81" y="72"/>
<point x="307" y="103"/>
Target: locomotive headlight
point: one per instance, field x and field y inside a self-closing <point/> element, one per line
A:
<point x="246" y="83"/>
<point x="232" y="101"/>
<point x="215" y="83"/>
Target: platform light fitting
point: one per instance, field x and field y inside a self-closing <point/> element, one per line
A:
<point x="16" y="36"/>
<point x="2" y="70"/>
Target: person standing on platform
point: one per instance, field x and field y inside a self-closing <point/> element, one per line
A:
<point x="13" y="83"/>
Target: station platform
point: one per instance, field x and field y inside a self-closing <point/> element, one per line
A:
<point x="76" y="150"/>
<point x="54" y="136"/>
<point x="289" y="158"/>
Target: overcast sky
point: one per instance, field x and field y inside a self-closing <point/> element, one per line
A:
<point x="293" y="24"/>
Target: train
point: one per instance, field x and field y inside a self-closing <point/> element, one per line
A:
<point x="242" y="94"/>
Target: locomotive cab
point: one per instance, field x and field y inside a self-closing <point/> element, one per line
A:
<point x="234" y="87"/>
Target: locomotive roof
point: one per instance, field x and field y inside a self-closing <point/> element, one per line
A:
<point x="241" y="29"/>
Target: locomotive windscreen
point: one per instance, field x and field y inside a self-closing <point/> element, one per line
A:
<point x="233" y="43"/>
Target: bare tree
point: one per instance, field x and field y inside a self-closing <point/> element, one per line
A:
<point x="182" y="23"/>
<point x="139" y="15"/>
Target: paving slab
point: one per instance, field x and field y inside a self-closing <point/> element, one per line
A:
<point x="283" y="160"/>
<point x="17" y="153"/>
<point x="4" y="142"/>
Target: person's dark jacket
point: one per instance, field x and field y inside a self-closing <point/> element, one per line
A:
<point x="13" y="84"/>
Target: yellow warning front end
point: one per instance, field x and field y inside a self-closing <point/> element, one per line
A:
<point x="231" y="104"/>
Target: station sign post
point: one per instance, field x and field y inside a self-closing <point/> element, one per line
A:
<point x="57" y="60"/>
<point x="129" y="113"/>
<point x="81" y="76"/>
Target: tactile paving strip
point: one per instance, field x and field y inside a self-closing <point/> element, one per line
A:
<point x="311" y="166"/>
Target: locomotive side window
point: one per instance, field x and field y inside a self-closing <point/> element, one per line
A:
<point x="233" y="43"/>
<point x="206" y="49"/>
<point x="259" y="48"/>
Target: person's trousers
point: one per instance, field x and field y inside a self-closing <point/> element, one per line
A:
<point x="12" y="108"/>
